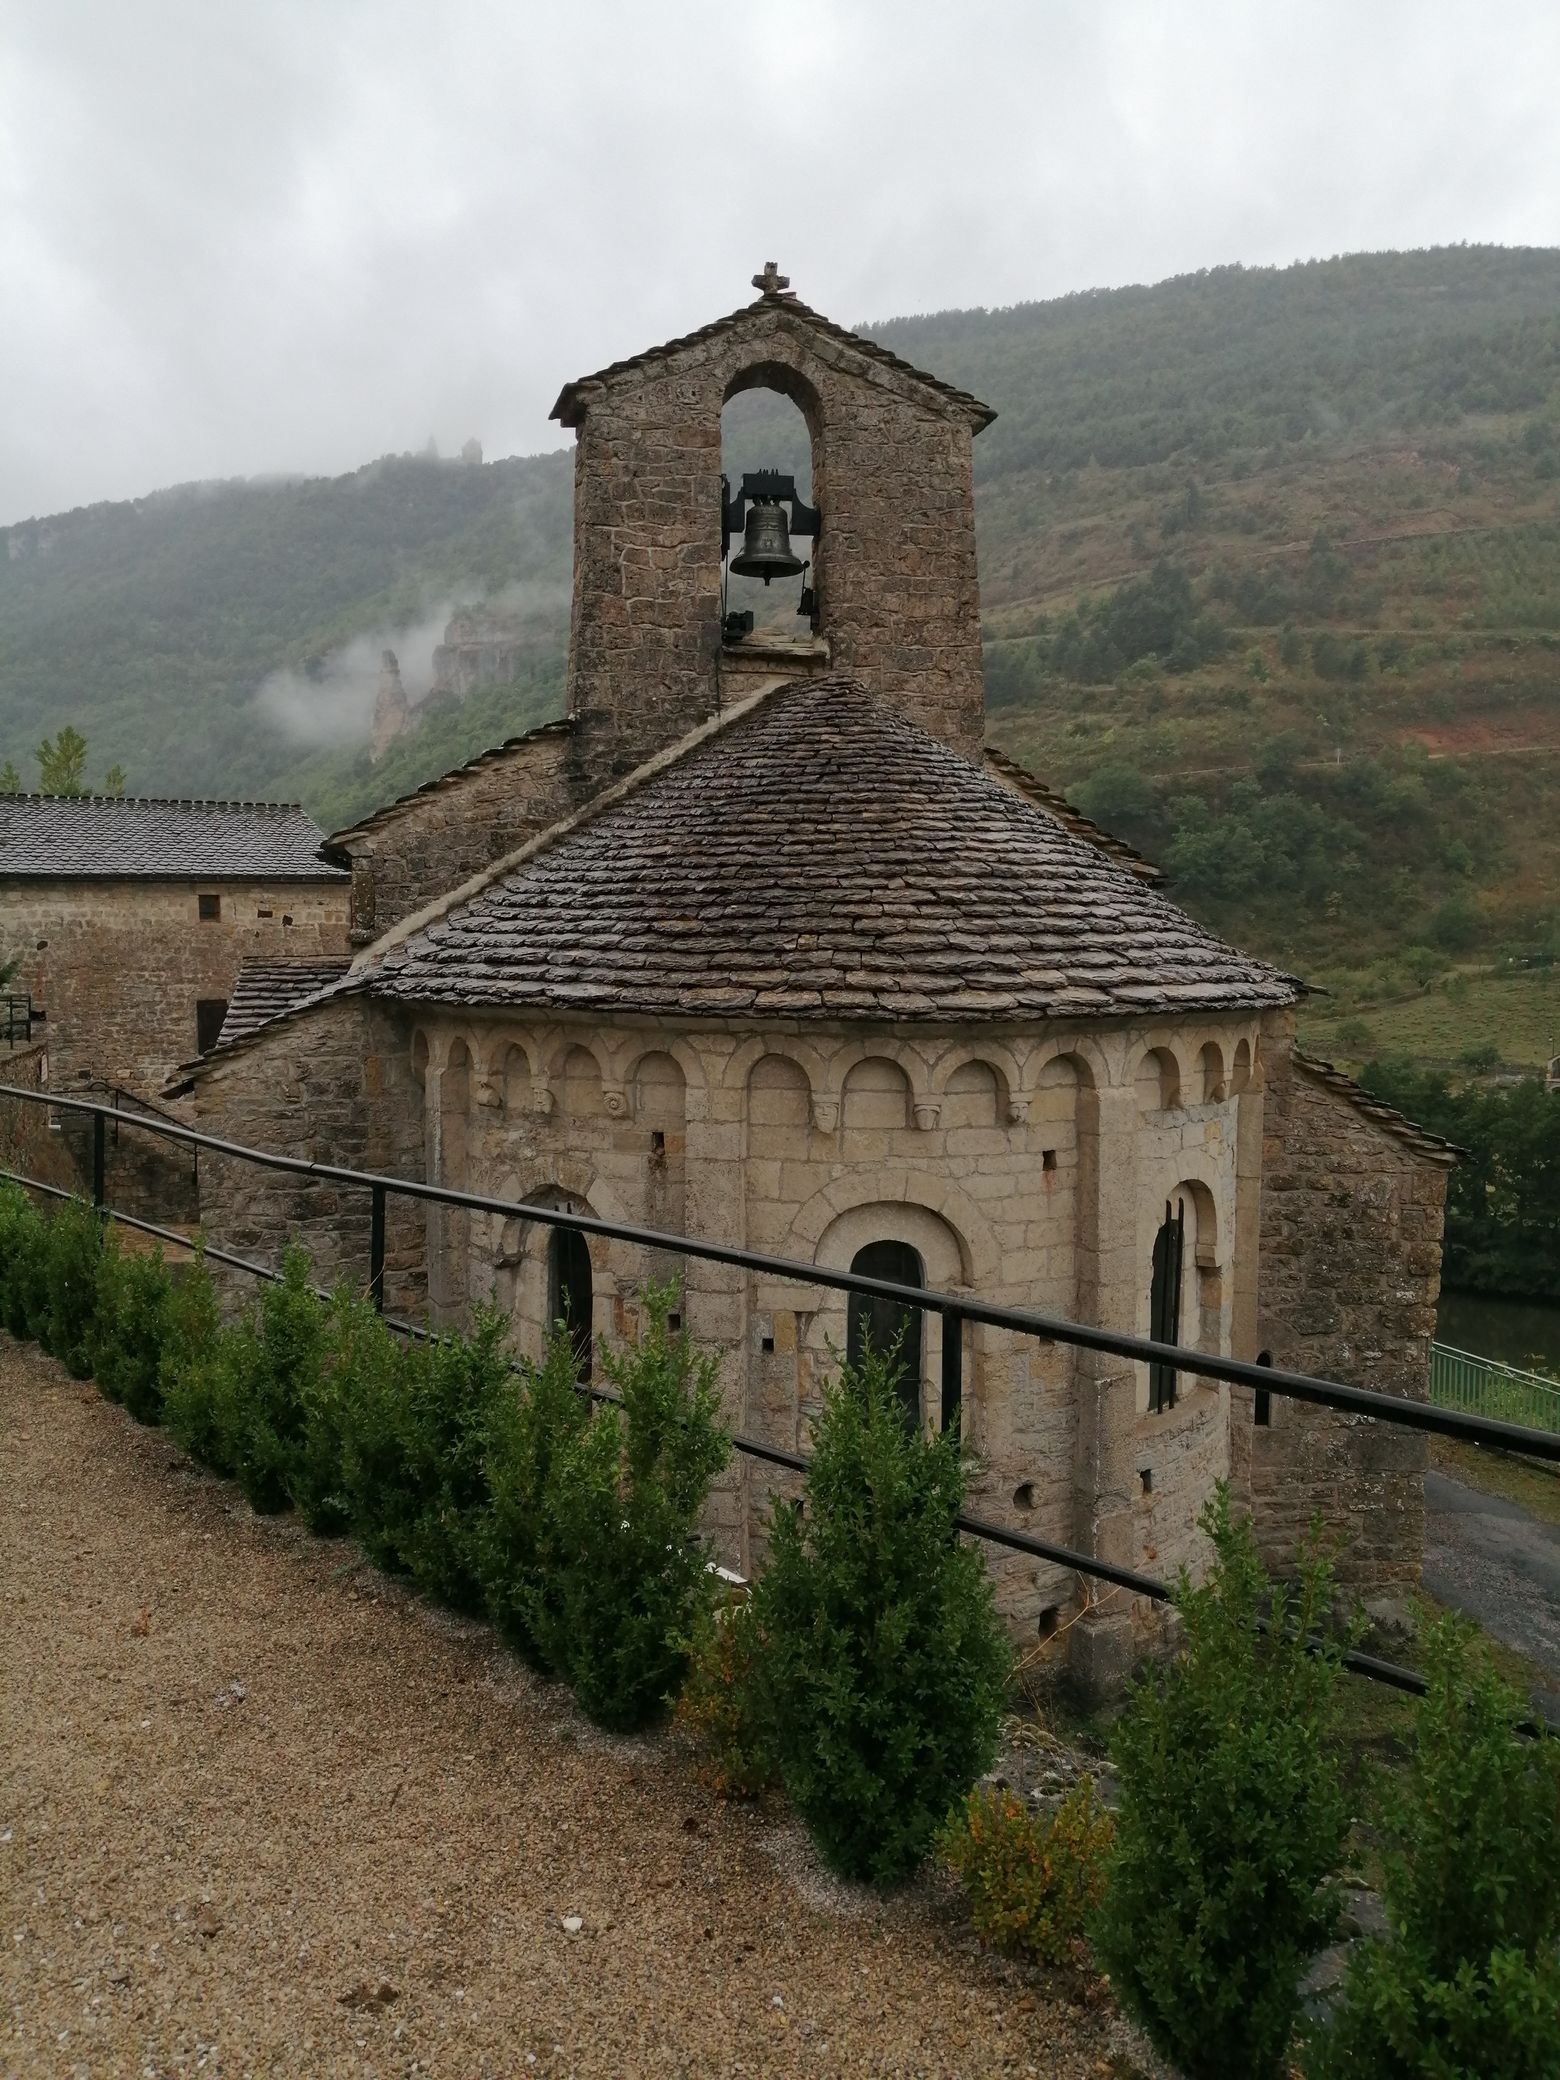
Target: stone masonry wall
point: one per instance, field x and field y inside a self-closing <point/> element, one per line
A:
<point x="992" y="1155"/>
<point x="1351" y="1258"/>
<point x="433" y="842"/>
<point x="894" y="569"/>
<point x="119" y="966"/>
<point x="143" y="1174"/>
<point x="27" y="1143"/>
<point x="333" y="1085"/>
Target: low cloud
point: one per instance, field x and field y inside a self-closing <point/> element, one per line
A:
<point x="332" y="705"/>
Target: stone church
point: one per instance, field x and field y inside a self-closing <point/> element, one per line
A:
<point x="761" y="942"/>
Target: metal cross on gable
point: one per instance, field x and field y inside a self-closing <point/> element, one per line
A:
<point x="771" y="281"/>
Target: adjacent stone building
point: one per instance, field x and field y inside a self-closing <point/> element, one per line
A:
<point x="762" y="943"/>
<point x="130" y="920"/>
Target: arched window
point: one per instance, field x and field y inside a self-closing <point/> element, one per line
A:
<point x="569" y="1294"/>
<point x="1164" y="1301"/>
<point x="888" y="1327"/>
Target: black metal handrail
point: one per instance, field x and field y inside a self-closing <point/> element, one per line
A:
<point x="1299" y="1386"/>
<point x="955" y="1309"/>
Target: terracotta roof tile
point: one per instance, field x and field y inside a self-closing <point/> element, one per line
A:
<point x="822" y="857"/>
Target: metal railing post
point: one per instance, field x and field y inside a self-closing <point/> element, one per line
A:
<point x="952" y="1366"/>
<point x="99" y="1161"/>
<point x="376" y="1247"/>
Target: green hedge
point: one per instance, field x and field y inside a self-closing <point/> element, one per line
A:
<point x="498" y="1488"/>
<point x="494" y="1487"/>
<point x="868" y="1672"/>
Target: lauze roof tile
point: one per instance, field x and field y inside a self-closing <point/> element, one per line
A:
<point x="264" y="989"/>
<point x="129" y="837"/>
<point x="825" y="858"/>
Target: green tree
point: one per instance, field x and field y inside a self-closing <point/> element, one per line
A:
<point x="1458" y="922"/>
<point x="885" y="1666"/>
<point x="1503" y="1197"/>
<point x="622" y="1501"/>
<point x="10" y="779"/>
<point x="1467" y="1986"/>
<point x="1233" y="1818"/>
<point x="62" y="762"/>
<point x="1122" y="800"/>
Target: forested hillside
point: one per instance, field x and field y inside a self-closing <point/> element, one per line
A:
<point x="1271" y="571"/>
<point x="154" y="625"/>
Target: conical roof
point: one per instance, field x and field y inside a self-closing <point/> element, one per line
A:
<point x="823" y="857"/>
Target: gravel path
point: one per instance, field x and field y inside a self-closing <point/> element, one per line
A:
<point x="1500" y="1565"/>
<point x="262" y="1813"/>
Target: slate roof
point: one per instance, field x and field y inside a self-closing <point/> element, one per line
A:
<point x="1420" y="1139"/>
<point x="1046" y="797"/>
<point x="822" y="857"/>
<point x="571" y="405"/>
<point x="264" y="989"/>
<point x="119" y="837"/>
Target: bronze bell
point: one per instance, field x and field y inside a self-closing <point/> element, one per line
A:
<point x="766" y="544"/>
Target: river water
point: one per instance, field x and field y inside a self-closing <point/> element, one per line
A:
<point x="1525" y="1333"/>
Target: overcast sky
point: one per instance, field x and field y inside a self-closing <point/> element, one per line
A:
<point x="240" y="236"/>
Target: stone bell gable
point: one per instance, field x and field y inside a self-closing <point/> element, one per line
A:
<point x="894" y="578"/>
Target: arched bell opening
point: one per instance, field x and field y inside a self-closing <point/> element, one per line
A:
<point x="769" y="437"/>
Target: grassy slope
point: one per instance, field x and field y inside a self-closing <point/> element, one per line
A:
<point x="1406" y="407"/>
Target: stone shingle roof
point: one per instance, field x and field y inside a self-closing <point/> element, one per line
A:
<point x="570" y="408"/>
<point x="1046" y="797"/>
<point x="119" y="837"/>
<point x="1420" y="1139"/>
<point x="822" y="857"/>
<point x="264" y="989"/>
